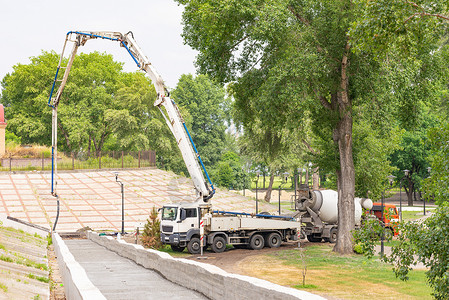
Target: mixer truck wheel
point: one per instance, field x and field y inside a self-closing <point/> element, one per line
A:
<point x="257" y="242"/>
<point x="219" y="244"/>
<point x="194" y="245"/>
<point x="333" y="236"/>
<point x="274" y="240"/>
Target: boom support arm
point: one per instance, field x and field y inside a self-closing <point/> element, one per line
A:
<point x="171" y="115"/>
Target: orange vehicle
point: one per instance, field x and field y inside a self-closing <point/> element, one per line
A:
<point x="391" y="215"/>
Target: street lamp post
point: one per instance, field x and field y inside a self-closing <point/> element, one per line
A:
<point x="296" y="183"/>
<point x="429" y="169"/>
<point x="285" y="178"/>
<point x="123" y="201"/>
<point x="257" y="199"/>
<point x="382" y="238"/>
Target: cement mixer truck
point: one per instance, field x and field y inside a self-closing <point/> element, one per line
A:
<point x="318" y="211"/>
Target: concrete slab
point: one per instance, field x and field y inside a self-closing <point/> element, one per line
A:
<point x="96" y="194"/>
<point x="120" y="278"/>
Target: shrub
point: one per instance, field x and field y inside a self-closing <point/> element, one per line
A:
<point x="151" y="236"/>
<point x="367" y="235"/>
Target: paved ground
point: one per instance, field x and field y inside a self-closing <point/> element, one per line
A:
<point x="93" y="198"/>
<point x="120" y="278"/>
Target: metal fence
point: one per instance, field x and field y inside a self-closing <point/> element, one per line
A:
<point x="83" y="160"/>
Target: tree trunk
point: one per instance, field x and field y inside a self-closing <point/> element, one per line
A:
<point x="409" y="191"/>
<point x="89" y="145"/>
<point x="66" y="136"/>
<point x="316" y="179"/>
<point x="306" y="181"/>
<point x="270" y="188"/>
<point x="346" y="187"/>
<point x="346" y="172"/>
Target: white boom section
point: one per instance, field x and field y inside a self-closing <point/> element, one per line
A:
<point x="172" y="116"/>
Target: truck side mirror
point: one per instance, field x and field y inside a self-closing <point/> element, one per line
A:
<point x="183" y="214"/>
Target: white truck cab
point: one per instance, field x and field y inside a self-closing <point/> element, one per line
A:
<point x="180" y="223"/>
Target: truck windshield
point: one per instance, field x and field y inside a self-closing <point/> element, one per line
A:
<point x="169" y="213"/>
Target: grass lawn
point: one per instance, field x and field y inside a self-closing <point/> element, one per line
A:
<point x="414" y="215"/>
<point x="346" y="277"/>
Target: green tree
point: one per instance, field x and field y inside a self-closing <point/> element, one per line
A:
<point x="205" y="102"/>
<point x="25" y="94"/>
<point x="291" y="61"/>
<point x="11" y="137"/>
<point x="437" y="186"/>
<point x="100" y="102"/>
<point x="230" y="173"/>
<point x="426" y="242"/>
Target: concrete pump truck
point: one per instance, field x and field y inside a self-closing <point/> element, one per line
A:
<point x="193" y="225"/>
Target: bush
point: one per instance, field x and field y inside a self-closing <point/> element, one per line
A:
<point x="426" y="242"/>
<point x="151" y="236"/>
<point x="367" y="235"/>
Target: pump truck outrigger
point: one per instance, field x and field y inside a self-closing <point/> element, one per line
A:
<point x="192" y="225"/>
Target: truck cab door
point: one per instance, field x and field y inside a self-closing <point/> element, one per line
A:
<point x="190" y="216"/>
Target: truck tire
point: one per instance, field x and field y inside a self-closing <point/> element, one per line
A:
<point x="333" y="236"/>
<point x="274" y="240"/>
<point x="177" y="248"/>
<point x="218" y="244"/>
<point x="257" y="242"/>
<point x="194" y="246"/>
<point x="314" y="239"/>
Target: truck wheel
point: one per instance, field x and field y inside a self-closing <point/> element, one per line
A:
<point x="194" y="246"/>
<point x="333" y="236"/>
<point x="257" y="242"/>
<point x="274" y="240"/>
<point x="314" y="239"/>
<point x="177" y="248"/>
<point x="219" y="244"/>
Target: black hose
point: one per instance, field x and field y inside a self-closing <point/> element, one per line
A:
<point x="57" y="212"/>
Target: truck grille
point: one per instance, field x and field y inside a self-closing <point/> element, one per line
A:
<point x="167" y="228"/>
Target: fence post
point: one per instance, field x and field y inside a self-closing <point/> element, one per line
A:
<point x="139" y="158"/>
<point x="42" y="161"/>
<point x="122" y="159"/>
<point x="99" y="160"/>
<point x="73" y="161"/>
<point x="10" y="159"/>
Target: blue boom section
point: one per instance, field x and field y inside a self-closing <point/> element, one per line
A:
<point x="247" y="214"/>
<point x="95" y="36"/>
<point x="199" y="158"/>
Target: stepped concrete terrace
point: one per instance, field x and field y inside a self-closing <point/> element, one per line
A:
<point x="93" y="198"/>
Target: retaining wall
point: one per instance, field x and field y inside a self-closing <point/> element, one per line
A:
<point x="209" y="280"/>
<point x="30" y="228"/>
<point x="76" y="283"/>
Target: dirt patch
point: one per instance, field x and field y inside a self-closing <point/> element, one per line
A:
<point x="230" y="259"/>
<point x="56" y="284"/>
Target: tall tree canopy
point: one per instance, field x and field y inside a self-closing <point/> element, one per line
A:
<point x="292" y="60"/>
<point x="206" y="103"/>
<point x="99" y="101"/>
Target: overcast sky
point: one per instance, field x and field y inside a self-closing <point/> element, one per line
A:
<point x="29" y="26"/>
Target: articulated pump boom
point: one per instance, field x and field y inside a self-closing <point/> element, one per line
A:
<point x="191" y="225"/>
<point x="171" y="115"/>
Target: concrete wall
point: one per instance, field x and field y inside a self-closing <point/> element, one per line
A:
<point x="209" y="280"/>
<point x="25" y="226"/>
<point x="76" y="283"/>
